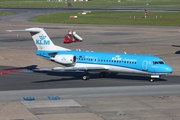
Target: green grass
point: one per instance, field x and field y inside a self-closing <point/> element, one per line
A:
<point x="113" y="18"/>
<point x="148" y="3"/>
<point x="92" y="3"/>
<point x="5" y="13"/>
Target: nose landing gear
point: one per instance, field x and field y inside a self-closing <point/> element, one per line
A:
<point x="151" y="80"/>
<point x="153" y="77"/>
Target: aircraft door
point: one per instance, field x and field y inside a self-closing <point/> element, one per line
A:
<point x="145" y="65"/>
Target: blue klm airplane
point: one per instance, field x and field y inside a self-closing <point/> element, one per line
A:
<point x="102" y="62"/>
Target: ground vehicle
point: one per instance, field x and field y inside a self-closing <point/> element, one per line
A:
<point x="72" y="36"/>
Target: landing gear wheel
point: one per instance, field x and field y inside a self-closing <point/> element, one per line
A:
<point x="102" y="74"/>
<point x="151" y="80"/>
<point x="85" y="77"/>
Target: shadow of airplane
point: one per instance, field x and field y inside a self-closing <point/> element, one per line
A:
<point x="71" y="76"/>
<point x="74" y="75"/>
<point x="175" y="45"/>
<point x="8" y="69"/>
<point x="177" y="52"/>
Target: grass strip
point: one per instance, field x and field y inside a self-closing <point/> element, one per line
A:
<point x="5" y="13"/>
<point x="113" y="18"/>
<point x="91" y="3"/>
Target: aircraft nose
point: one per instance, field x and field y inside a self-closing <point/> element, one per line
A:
<point x="169" y="69"/>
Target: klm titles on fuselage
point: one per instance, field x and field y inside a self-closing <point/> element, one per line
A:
<point x="42" y="41"/>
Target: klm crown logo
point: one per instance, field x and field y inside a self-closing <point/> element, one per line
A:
<point x="42" y="37"/>
<point x="42" y="40"/>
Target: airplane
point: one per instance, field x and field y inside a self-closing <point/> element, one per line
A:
<point x="91" y="61"/>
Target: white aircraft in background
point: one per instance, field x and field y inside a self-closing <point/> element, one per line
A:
<point x="102" y="62"/>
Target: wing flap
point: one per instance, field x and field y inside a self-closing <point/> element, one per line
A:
<point x="79" y="68"/>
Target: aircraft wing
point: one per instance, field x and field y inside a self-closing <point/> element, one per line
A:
<point x="80" y="68"/>
<point x="99" y="68"/>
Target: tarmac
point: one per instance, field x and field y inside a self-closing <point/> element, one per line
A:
<point x="120" y="108"/>
<point x="149" y="102"/>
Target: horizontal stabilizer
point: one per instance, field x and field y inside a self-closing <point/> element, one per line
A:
<point x="26" y="30"/>
<point x="41" y="39"/>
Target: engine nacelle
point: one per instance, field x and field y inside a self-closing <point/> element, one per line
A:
<point x="65" y="59"/>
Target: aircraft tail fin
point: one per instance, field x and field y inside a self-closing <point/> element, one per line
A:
<point x="41" y="39"/>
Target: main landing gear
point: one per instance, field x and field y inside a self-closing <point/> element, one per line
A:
<point x="86" y="75"/>
<point x="102" y="74"/>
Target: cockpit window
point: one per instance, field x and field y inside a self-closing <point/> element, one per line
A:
<point x="161" y="62"/>
<point x="158" y="62"/>
<point x="155" y="62"/>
